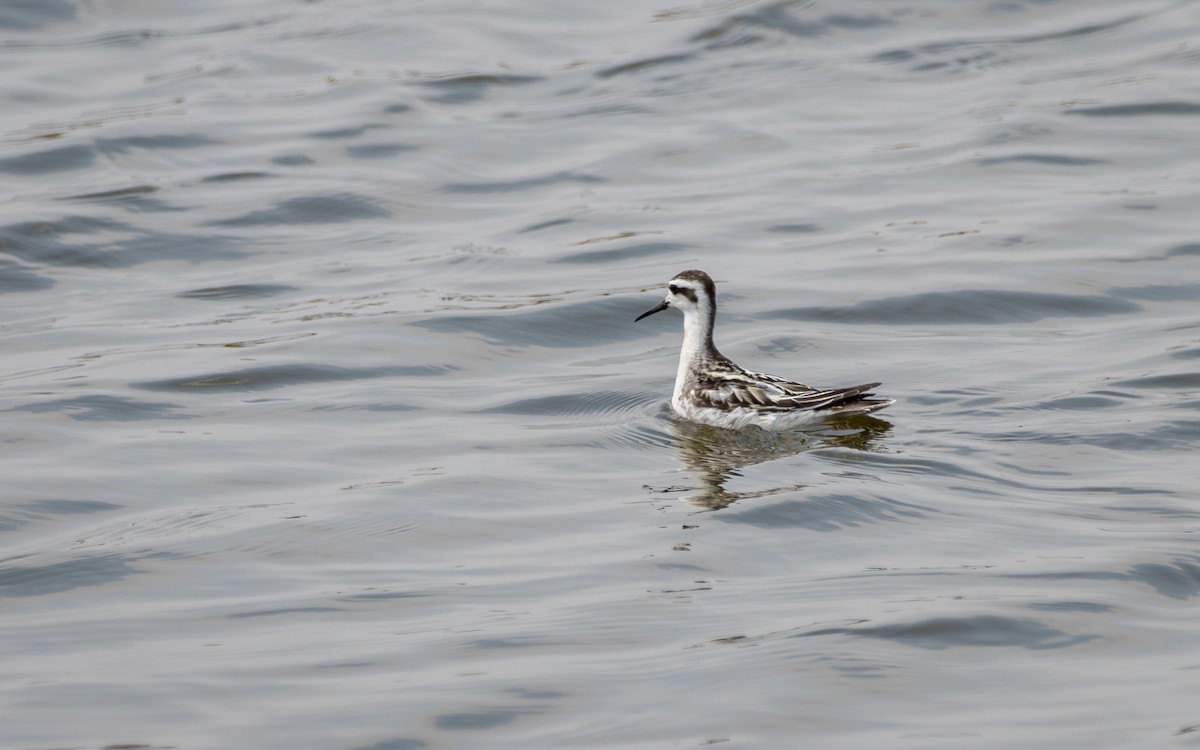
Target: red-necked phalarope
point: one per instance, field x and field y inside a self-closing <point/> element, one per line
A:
<point x="711" y="389"/>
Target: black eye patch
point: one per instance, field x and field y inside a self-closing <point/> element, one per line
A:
<point x="672" y="289"/>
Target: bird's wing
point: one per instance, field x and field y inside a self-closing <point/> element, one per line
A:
<point x="769" y="393"/>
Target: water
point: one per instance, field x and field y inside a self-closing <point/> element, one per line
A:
<point x="327" y="424"/>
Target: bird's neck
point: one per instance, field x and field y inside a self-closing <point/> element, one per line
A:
<point x="697" y="336"/>
<point x="697" y="346"/>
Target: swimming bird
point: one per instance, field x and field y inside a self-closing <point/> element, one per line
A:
<point x="711" y="389"/>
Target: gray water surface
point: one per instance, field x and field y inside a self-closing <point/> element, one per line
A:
<point x="327" y="424"/>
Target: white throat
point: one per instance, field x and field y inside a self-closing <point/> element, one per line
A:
<point x="697" y="340"/>
<point x="696" y="333"/>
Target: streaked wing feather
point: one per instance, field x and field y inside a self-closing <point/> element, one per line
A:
<point x="788" y="386"/>
<point x="752" y="391"/>
<point x="724" y="384"/>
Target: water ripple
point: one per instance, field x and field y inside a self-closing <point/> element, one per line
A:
<point x="743" y="28"/>
<point x="512" y="186"/>
<point x="1179" y="579"/>
<point x="563" y="325"/>
<point x="237" y="291"/>
<point x="1177" y="380"/>
<point x="101" y="407"/>
<point x="34" y="14"/>
<point x="629" y="252"/>
<point x="600" y="404"/>
<point x="60" y="159"/>
<point x="1169" y="108"/>
<point x="16" y="278"/>
<point x="311" y="209"/>
<point x="14" y="515"/>
<point x="280" y="376"/>
<point x="71" y="241"/>
<point x="951" y="632"/>
<point x="958" y="55"/>
<point x="1053" y="160"/>
<point x="134" y="198"/>
<point x="645" y="64"/>
<point x="159" y="141"/>
<point x="58" y="577"/>
<point x="826" y="512"/>
<point x="465" y="89"/>
<point x="964" y="306"/>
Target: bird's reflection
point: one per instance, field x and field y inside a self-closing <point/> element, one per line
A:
<point x="712" y="455"/>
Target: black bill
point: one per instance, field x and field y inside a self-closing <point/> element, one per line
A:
<point x="661" y="306"/>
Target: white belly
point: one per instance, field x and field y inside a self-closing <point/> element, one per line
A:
<point x="735" y="419"/>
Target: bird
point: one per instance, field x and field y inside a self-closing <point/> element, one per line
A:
<point x="711" y="389"/>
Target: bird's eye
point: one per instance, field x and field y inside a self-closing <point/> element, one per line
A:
<point x="673" y="289"/>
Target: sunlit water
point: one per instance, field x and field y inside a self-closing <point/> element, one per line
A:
<point x="327" y="424"/>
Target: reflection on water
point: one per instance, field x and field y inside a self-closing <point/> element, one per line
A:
<point x="713" y="455"/>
